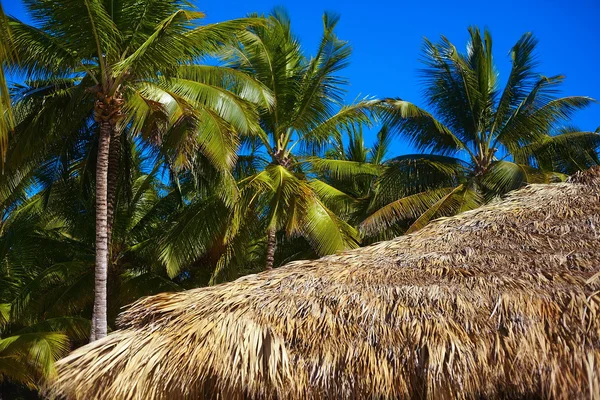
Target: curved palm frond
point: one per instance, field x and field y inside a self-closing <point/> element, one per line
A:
<point x="404" y="209"/>
<point x="421" y="128"/>
<point x="198" y="227"/>
<point x="415" y="173"/>
<point x="568" y="151"/>
<point x="339" y="202"/>
<point x="504" y="176"/>
<point x="343" y="169"/>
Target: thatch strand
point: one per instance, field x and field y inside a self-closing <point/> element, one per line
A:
<point x="499" y="302"/>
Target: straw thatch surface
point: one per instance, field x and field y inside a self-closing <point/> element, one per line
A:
<point x="498" y="302"/>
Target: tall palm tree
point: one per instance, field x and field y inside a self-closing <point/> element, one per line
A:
<point x="119" y="63"/>
<point x="281" y="201"/>
<point x="47" y="252"/>
<point x="476" y="133"/>
<point x="308" y="113"/>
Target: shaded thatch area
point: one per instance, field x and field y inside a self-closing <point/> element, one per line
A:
<point x="498" y="302"/>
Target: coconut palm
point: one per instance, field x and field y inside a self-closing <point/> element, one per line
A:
<point x="30" y="342"/>
<point x="47" y="249"/>
<point x="281" y="202"/>
<point x="476" y="134"/>
<point x="66" y="224"/>
<point x="117" y="64"/>
<point x="308" y="113"/>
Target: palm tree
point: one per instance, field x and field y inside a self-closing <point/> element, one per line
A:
<point x="47" y="252"/>
<point x="477" y="134"/>
<point x="280" y="204"/>
<point x="118" y="64"/>
<point x="306" y="116"/>
<point x="67" y="226"/>
<point x="29" y="342"/>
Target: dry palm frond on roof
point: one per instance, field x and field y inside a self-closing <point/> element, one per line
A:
<point x="498" y="302"/>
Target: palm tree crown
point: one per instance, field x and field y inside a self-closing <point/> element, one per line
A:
<point x="308" y="112"/>
<point x="483" y="141"/>
<point x="119" y="64"/>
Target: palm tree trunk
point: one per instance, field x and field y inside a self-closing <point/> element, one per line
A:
<point x="99" y="319"/>
<point x="114" y="159"/>
<point x="271" y="245"/>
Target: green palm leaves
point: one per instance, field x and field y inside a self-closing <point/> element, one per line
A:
<point x="6" y="55"/>
<point x="280" y="198"/>
<point x="132" y="66"/>
<point x="47" y="273"/>
<point x="503" y="135"/>
<point x="307" y="114"/>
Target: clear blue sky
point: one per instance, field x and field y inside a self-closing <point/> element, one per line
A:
<point x="387" y="35"/>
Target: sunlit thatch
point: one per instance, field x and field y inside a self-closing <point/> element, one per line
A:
<point x="498" y="302"/>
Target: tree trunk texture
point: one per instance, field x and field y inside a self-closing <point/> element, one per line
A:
<point x="112" y="192"/>
<point x="99" y="319"/>
<point x="271" y="245"/>
<point x="107" y="112"/>
<point x="114" y="161"/>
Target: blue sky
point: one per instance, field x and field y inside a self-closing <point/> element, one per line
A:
<point x="387" y="36"/>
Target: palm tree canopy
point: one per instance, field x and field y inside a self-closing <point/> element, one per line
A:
<point x="47" y="248"/>
<point x="149" y="54"/>
<point x="471" y="113"/>
<point x="479" y="140"/>
<point x="308" y="91"/>
<point x="276" y="181"/>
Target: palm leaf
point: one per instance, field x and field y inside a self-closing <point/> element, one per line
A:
<point x="343" y="169"/>
<point x="404" y="209"/>
<point x="325" y="231"/>
<point x="504" y="176"/>
<point x="421" y="128"/>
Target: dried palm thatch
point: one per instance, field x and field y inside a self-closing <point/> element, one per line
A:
<point x="499" y="302"/>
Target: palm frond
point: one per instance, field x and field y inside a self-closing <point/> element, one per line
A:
<point x="198" y="227"/>
<point x="504" y="176"/>
<point x="6" y="55"/>
<point x="40" y="349"/>
<point x="421" y="128"/>
<point x="339" y="202"/>
<point x="343" y="169"/>
<point x="520" y="79"/>
<point x="163" y="48"/>
<point x="382" y="145"/>
<point x="328" y="129"/>
<point x="404" y="209"/>
<point x="320" y="87"/>
<point x="415" y="173"/>
<point x="325" y="231"/>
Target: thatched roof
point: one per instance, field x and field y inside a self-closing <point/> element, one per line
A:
<point x="498" y="302"/>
